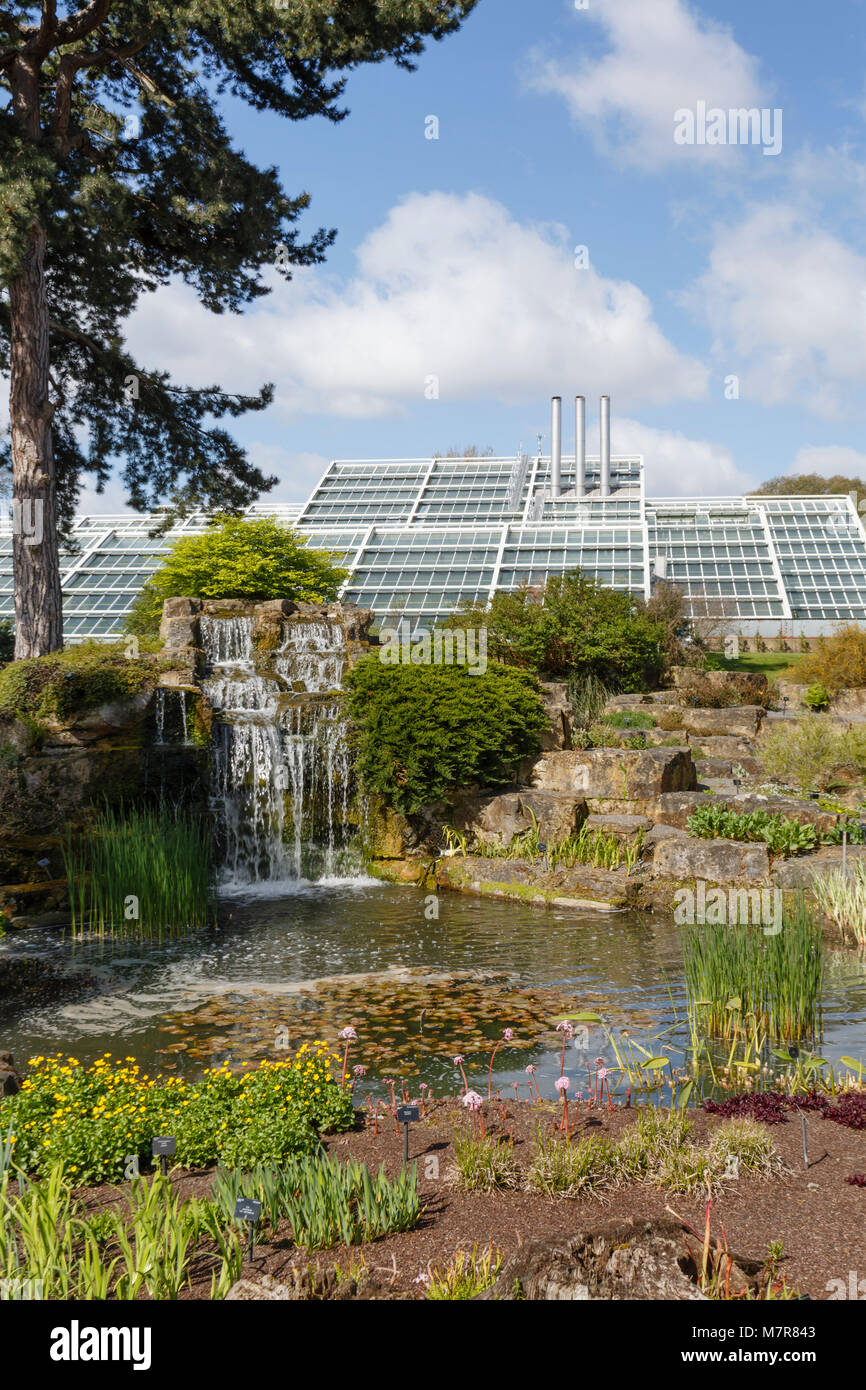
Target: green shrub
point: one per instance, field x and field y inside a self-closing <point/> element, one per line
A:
<point x="90" y="1119"/>
<point x="237" y="558"/>
<point x="422" y="732"/>
<point x="816" y="697"/>
<point x="808" y="753"/>
<point x="838" y="662"/>
<point x="573" y="628"/>
<point x="70" y="682"/>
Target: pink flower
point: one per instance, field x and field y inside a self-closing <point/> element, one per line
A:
<point x="565" y="1027"/>
<point x="602" y="1073"/>
<point x="359" y="1071"/>
<point x="472" y="1100"/>
<point x="562" y="1084"/>
<point x="458" y="1061"/>
<point x="530" y="1070"/>
<point x="348" y="1035"/>
<point x="508" y="1034"/>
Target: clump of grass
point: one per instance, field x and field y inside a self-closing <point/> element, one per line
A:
<point x="745" y="1146"/>
<point x="842" y="897"/>
<point x="561" y="1168"/>
<point x="467" y="1274"/>
<point x="482" y="1164"/>
<point x="738" y="972"/>
<point x="145" y="873"/>
<point x="649" y="1147"/>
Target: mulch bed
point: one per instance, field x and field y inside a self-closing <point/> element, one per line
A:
<point x="819" y="1218"/>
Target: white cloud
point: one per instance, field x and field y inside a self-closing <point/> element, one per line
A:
<point x="662" y="56"/>
<point x="677" y="466"/>
<point x="448" y="286"/>
<point x="786" y="301"/>
<point x="298" y="473"/>
<point x="829" y="460"/>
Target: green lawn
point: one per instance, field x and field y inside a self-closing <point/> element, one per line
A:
<point x="773" y="665"/>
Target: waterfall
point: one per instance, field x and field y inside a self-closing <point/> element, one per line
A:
<point x="280" y="769"/>
<point x="169" y="718"/>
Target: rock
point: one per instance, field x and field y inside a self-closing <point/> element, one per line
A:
<point x="520" y="880"/>
<point x="619" y="703"/>
<point x="634" y="775"/>
<point x="739" y="721"/>
<point x="739" y="750"/>
<point x="179" y="633"/>
<point x="800" y="870"/>
<point x="560" y="730"/>
<point x="10" y="1081"/>
<point x="714" y="861"/>
<point x="688" y="680"/>
<point x="849" y="703"/>
<point x="626" y="828"/>
<point x="662" y="832"/>
<point x="636" y="1259"/>
<point x="790" y="694"/>
<point x="497" y="819"/>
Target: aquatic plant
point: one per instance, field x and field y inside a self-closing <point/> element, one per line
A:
<point x="781" y="834"/>
<point x="737" y="973"/>
<point x="562" y="1084"/>
<point x="842" y="897"/>
<point x="142" y="872"/>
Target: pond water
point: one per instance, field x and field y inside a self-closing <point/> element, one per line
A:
<point x="244" y="990"/>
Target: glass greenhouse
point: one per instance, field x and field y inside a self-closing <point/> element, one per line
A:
<point x="420" y="536"/>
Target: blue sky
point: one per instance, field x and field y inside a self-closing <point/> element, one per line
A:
<point x="455" y="257"/>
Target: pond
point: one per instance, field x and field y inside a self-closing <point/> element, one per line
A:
<point x="417" y="988"/>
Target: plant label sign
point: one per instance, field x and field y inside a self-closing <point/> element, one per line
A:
<point x="164" y="1147"/>
<point x="247" y="1209"/>
<point x="407" y="1114"/>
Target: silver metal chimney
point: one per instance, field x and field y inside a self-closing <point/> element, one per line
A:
<point x="605" y="446"/>
<point x="556" y="448"/>
<point x="580" y="445"/>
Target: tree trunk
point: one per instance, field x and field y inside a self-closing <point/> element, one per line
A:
<point x="35" y="556"/>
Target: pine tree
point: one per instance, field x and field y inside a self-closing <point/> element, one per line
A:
<point x="118" y="173"/>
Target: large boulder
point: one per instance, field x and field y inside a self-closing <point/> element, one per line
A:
<point x="626" y="828"/>
<point x="616" y="774"/>
<point x="713" y="861"/>
<point x="498" y="819"/>
<point x="739" y="721"/>
<point x="636" y="1259"/>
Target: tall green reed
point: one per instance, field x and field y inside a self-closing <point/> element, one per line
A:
<point x="142" y="872"/>
<point x="740" y="978"/>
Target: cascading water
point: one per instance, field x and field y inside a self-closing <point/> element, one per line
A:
<point x="280" y="770"/>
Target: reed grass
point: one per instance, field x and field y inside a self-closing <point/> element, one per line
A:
<point x="842" y="897"/>
<point x="141" y="873"/>
<point x="739" y="979"/>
